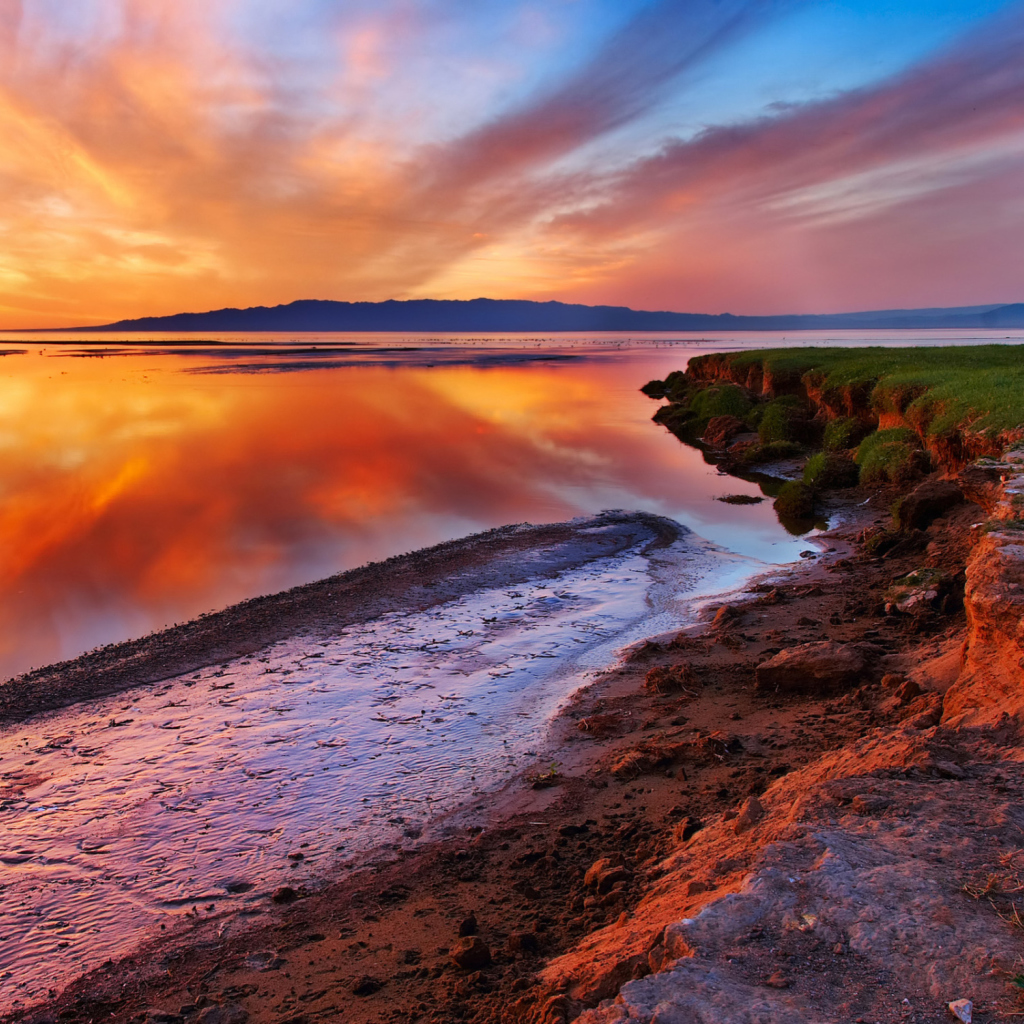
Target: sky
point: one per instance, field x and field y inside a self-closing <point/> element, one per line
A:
<point x="772" y="156"/>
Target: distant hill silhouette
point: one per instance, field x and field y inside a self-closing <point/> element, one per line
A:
<point x="516" y="316"/>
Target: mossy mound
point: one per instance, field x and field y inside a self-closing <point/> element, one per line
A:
<point x="827" y="471"/>
<point x="781" y="420"/>
<point x="889" y="456"/>
<point x="722" y="400"/>
<point x="843" y="434"/>
<point x="795" y="501"/>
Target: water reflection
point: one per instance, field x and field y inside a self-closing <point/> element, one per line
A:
<point x="138" y="493"/>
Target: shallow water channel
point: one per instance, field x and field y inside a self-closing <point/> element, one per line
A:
<point x="200" y="795"/>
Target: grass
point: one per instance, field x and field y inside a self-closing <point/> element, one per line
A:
<point x="843" y="434"/>
<point x="777" y="420"/>
<point x="827" y="471"/>
<point x="721" y="400"/>
<point x="937" y="389"/>
<point x="795" y="501"/>
<point x="888" y="456"/>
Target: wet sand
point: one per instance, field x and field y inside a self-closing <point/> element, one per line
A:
<point x="416" y="581"/>
<point x="283" y="741"/>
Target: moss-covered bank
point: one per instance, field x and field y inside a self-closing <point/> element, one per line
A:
<point x="869" y="416"/>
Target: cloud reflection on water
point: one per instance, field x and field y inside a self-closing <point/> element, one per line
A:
<point x="136" y="495"/>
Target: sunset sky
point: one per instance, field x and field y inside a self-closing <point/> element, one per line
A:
<point x="706" y="155"/>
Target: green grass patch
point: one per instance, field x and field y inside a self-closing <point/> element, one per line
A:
<point x="827" y="471"/>
<point x="795" y="501"/>
<point x="778" y="420"/>
<point x="888" y="456"/>
<point x="773" y="452"/>
<point x="937" y="389"/>
<point x="843" y="434"/>
<point x="720" y="400"/>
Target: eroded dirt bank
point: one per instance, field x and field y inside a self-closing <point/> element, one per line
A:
<point x="806" y="809"/>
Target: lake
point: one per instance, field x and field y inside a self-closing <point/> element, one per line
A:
<point x="146" y="484"/>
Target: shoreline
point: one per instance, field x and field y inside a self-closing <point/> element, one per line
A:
<point x="508" y="555"/>
<point x="683" y="787"/>
<point x="413" y="581"/>
<point x="408" y="602"/>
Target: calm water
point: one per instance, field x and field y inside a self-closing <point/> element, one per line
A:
<point x="141" y="489"/>
<point x="144" y="484"/>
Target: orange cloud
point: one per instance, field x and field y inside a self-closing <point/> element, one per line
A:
<point x="154" y="161"/>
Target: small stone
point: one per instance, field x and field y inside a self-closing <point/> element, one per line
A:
<point x="595" y="871"/>
<point x="285" y="894"/>
<point x="868" y="803"/>
<point x="523" y="942"/>
<point x="573" y="830"/>
<point x="750" y="814"/>
<point x="839" y="949"/>
<point x="468" y="926"/>
<point x="724" y="616"/>
<point x="696" y="887"/>
<point x="962" y="1009"/>
<point x="226" y="1013"/>
<point x="366" y="986"/>
<point x="820" y="667"/>
<point x="778" y="980"/>
<point x="470" y="953"/>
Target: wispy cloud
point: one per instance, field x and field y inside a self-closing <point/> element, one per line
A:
<point x="153" y="158"/>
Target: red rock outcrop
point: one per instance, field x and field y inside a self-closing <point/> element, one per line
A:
<point x="990" y="688"/>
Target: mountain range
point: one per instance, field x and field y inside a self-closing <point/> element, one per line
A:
<point x="517" y="316"/>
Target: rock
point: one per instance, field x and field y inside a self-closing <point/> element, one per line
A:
<point x="915" y="593"/>
<point x="749" y="815"/>
<point x="868" y="803"/>
<point x="468" y="926"/>
<point x="471" y="953"/>
<point x="236" y="888"/>
<point x="573" y="830"/>
<point x="817" y="667"/>
<point x="264" y="960"/>
<point x="285" y="894"/>
<point x="523" y="942"/>
<point x="991" y="684"/>
<point x="721" y="430"/>
<point x="657" y="958"/>
<point x="685" y="830"/>
<point x="724" y="616"/>
<point x="740" y="499"/>
<point x="366" y="986"/>
<point x="962" y="1009"/>
<point x="670" y="679"/>
<point x="777" y="980"/>
<point x="926" y="503"/>
<point x="604" y="873"/>
<point x="226" y="1013"/>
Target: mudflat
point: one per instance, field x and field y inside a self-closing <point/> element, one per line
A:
<point x="415" y="581"/>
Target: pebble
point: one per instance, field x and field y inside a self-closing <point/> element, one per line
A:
<point x="962" y="1009"/>
<point x="470" y="953"/>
